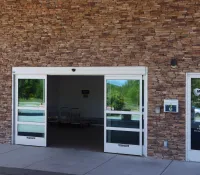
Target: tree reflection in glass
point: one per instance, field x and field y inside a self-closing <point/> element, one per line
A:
<point x="123" y="95"/>
<point x="31" y="92"/>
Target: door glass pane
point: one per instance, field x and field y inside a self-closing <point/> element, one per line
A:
<point x="195" y="113"/>
<point x="31" y="92"/>
<point x="27" y="115"/>
<point x="123" y="120"/>
<point x="30" y="130"/>
<point x="143" y="138"/>
<point x="122" y="137"/>
<point x="123" y="95"/>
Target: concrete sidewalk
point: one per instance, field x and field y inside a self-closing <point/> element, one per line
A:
<point x="28" y="159"/>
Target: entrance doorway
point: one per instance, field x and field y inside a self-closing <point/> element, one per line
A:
<point x="193" y="117"/>
<point x="75" y="112"/>
<point x="124" y="107"/>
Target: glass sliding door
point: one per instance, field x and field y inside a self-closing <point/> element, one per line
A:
<point x="123" y="114"/>
<point x="193" y="117"/>
<point x="30" y="110"/>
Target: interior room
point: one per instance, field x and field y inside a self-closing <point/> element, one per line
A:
<point x="75" y="112"/>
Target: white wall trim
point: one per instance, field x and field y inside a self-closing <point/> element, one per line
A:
<point x="139" y="70"/>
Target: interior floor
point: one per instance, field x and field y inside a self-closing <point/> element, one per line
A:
<point x="74" y="136"/>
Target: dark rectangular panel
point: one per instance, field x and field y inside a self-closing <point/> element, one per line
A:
<point x="123" y="137"/>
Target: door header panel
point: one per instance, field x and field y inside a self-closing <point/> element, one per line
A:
<point x="137" y="70"/>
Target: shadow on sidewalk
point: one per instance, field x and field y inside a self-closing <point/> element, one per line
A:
<point x="21" y="171"/>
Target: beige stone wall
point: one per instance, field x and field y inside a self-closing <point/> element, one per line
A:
<point x="107" y="33"/>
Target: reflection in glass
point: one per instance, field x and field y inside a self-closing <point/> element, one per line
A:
<point x="122" y="137"/>
<point x="195" y="113"/>
<point x="27" y="115"/>
<point x="31" y="130"/>
<point x="123" y="120"/>
<point x="123" y="95"/>
<point x="31" y="92"/>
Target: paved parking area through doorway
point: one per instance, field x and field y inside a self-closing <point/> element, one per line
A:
<point x="15" y="159"/>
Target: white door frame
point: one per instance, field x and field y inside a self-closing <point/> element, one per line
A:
<point x="92" y="71"/>
<point x="24" y="139"/>
<point x="191" y="155"/>
<point x="125" y="148"/>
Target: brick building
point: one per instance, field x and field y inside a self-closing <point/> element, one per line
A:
<point x="145" y="35"/>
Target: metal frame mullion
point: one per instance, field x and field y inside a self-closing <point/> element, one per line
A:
<point x="121" y="77"/>
<point x="123" y="129"/>
<point x="141" y="113"/>
<point x="189" y="111"/>
<point x="32" y="108"/>
<point x="122" y="112"/>
<point x="31" y="123"/>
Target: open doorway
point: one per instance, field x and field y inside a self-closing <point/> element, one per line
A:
<point x="75" y="112"/>
<point x="100" y="109"/>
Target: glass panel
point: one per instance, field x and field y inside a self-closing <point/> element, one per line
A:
<point x="31" y="92"/>
<point x="31" y="130"/>
<point x="195" y="113"/>
<point x="123" y="137"/>
<point x="123" y="120"/>
<point x="123" y="95"/>
<point x="142" y="121"/>
<point x="143" y="138"/>
<point x="27" y="115"/>
<point x="142" y="95"/>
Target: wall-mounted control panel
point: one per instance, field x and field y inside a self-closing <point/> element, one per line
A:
<point x="171" y="105"/>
